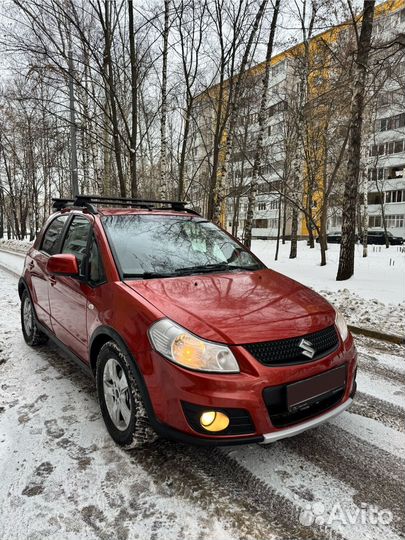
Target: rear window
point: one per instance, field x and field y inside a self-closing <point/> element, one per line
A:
<point x="52" y="236"/>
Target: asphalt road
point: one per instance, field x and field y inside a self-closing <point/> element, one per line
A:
<point x="62" y="476"/>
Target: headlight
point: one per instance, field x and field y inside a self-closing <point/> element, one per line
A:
<point x="341" y="325"/>
<point x="187" y="350"/>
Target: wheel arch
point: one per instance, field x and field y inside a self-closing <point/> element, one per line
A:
<point x="102" y="335"/>
<point x="22" y="286"/>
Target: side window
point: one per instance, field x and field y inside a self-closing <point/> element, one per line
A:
<point x="50" y="241"/>
<point x="95" y="268"/>
<point x="76" y="240"/>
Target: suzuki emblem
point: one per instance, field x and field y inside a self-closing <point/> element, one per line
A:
<point x="307" y="348"/>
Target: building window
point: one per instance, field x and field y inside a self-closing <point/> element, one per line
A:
<point x="263" y="188"/>
<point x="274" y="204"/>
<point x="392" y="122"/>
<point x="395" y="172"/>
<point x="374" y="221"/>
<point x="384" y="98"/>
<point x="260" y="224"/>
<point x="398" y="147"/>
<point x="279" y="68"/>
<point x="261" y="206"/>
<point x="273" y="223"/>
<point x="395" y="196"/>
<point x="336" y="221"/>
<point x="396" y="220"/>
<point x="379" y="174"/>
<point x="375" y="198"/>
<point x="392" y="147"/>
<point x="277" y="108"/>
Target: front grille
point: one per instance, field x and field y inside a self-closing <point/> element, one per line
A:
<point x="288" y="351"/>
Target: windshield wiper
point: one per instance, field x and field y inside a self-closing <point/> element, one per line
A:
<point x="201" y="268"/>
<point x="188" y="270"/>
<point x="213" y="268"/>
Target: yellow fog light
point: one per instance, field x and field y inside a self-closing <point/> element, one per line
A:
<point x="214" y="421"/>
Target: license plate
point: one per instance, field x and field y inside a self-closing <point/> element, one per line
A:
<point x="310" y="389"/>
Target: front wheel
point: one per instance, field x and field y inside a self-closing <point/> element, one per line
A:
<point x="32" y="335"/>
<point x="120" y="399"/>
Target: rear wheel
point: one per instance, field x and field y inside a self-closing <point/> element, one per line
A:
<point x="120" y="399"/>
<point x="32" y="335"/>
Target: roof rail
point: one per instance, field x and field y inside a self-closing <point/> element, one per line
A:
<point x="89" y="202"/>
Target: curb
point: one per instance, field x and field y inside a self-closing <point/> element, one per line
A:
<point x="9" y="270"/>
<point x="18" y="253"/>
<point x="376" y="334"/>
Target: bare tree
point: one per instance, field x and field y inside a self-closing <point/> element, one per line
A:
<point x="261" y="121"/>
<point x="346" y="258"/>
<point x="163" y="112"/>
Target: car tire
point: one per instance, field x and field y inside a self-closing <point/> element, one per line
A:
<point x="32" y="335"/>
<point x="120" y="399"/>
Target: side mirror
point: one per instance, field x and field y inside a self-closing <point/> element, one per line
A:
<point x="63" y="264"/>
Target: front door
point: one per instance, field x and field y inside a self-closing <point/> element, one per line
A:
<point x="36" y="265"/>
<point x="68" y="296"/>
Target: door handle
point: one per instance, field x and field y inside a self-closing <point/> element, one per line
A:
<point x="52" y="280"/>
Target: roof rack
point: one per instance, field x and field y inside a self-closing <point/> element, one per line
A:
<point x="89" y="201"/>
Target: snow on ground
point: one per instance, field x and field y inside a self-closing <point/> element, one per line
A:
<point x="15" y="245"/>
<point x="12" y="261"/>
<point x="62" y="475"/>
<point x="374" y="297"/>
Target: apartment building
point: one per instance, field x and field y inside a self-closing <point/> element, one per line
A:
<point x="384" y="140"/>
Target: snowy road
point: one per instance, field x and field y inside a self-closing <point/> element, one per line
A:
<point x="62" y="475"/>
<point x="12" y="261"/>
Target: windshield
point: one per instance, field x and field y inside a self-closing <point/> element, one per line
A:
<point x="148" y="246"/>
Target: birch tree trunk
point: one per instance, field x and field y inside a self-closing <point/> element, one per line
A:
<point x="134" y="100"/>
<point x="346" y="257"/>
<point x="365" y="213"/>
<point x="112" y="97"/>
<point x="163" y="116"/>
<point x="72" y="112"/>
<point x="233" y="103"/>
<point x="261" y="120"/>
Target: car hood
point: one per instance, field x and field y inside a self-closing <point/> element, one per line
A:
<point x="238" y="307"/>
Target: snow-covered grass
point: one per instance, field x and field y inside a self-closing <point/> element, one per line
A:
<point x="373" y="297"/>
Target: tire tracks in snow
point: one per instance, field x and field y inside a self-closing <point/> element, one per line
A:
<point x="261" y="491"/>
<point x="378" y="409"/>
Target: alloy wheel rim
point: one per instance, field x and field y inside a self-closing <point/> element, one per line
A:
<point x="117" y="394"/>
<point x="27" y="316"/>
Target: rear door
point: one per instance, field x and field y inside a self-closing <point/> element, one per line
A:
<point x="36" y="267"/>
<point x="67" y="295"/>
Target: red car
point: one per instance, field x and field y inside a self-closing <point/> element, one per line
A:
<point x="187" y="334"/>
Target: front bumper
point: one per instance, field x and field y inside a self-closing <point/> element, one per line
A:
<point x="303" y="426"/>
<point x="169" y="386"/>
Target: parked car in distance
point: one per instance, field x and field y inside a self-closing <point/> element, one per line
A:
<point x="373" y="237"/>
<point x="378" y="237"/>
<point x="187" y="334"/>
<point x="332" y="238"/>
